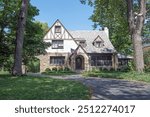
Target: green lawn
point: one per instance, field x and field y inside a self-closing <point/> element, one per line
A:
<point x="145" y="77"/>
<point x="31" y="88"/>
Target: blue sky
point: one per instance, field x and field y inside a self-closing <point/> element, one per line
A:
<point x="71" y="13"/>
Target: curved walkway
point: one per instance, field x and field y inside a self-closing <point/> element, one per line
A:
<point x="111" y="89"/>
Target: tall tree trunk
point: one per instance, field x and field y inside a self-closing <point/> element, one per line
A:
<point x="17" y="68"/>
<point x="136" y="22"/>
<point x="138" y="51"/>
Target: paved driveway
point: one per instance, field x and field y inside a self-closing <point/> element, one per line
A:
<point x="113" y="89"/>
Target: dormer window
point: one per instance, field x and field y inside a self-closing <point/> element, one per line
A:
<point x="98" y="42"/>
<point x="57" y="29"/>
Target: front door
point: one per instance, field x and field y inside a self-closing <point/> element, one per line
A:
<point x="79" y="62"/>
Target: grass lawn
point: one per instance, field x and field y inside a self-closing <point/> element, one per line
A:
<point x="145" y="77"/>
<point x="31" y="88"/>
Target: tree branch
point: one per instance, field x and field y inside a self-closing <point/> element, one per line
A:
<point x="141" y="15"/>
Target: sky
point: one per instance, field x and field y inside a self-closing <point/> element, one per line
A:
<point x="72" y="14"/>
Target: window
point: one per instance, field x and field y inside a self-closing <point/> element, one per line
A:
<point x="57" y="44"/>
<point x="122" y="62"/>
<point x="57" y="60"/>
<point x="101" y="60"/>
<point x="98" y="44"/>
<point x="57" y="29"/>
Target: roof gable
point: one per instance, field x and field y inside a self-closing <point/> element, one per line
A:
<point x="58" y="31"/>
<point x="98" y="39"/>
<point x="90" y="36"/>
<point x="79" y="50"/>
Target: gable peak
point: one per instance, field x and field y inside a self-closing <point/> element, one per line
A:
<point x="98" y="38"/>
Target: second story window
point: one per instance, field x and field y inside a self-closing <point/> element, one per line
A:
<point x="57" y="44"/>
<point x="57" y="29"/>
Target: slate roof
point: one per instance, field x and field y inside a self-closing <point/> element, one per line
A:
<point x="122" y="56"/>
<point x="90" y="36"/>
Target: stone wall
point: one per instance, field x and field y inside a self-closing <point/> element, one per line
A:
<point x="71" y="63"/>
<point x="45" y="61"/>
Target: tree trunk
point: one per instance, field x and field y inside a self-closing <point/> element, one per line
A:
<point x="17" y="68"/>
<point x="136" y="22"/>
<point x="138" y="52"/>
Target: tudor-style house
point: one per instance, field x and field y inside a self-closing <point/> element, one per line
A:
<point x="78" y="50"/>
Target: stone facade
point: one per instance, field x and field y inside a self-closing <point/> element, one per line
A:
<point x="45" y="61"/>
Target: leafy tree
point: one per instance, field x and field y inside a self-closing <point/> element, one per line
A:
<point x="44" y="26"/>
<point x="125" y="16"/>
<point x="8" y="11"/>
<point x="33" y="42"/>
<point x="112" y="14"/>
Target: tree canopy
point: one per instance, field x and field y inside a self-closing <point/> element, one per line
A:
<point x="113" y="14"/>
<point x="33" y="42"/>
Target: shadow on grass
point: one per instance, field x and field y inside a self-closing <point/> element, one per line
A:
<point x="31" y="88"/>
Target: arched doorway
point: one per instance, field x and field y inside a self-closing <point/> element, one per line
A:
<point x="79" y="62"/>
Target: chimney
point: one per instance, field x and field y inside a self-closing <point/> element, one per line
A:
<point x="106" y="30"/>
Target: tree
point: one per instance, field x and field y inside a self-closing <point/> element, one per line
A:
<point x="136" y="23"/>
<point x="133" y="13"/>
<point x="112" y="14"/>
<point x="34" y="32"/>
<point x="34" y="44"/>
<point x="17" y="68"/>
<point x="7" y="15"/>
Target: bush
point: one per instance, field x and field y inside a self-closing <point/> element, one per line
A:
<point x="66" y="69"/>
<point x="33" y="66"/>
<point x="147" y="60"/>
<point x="54" y="69"/>
<point x="92" y="74"/>
<point x="47" y="70"/>
<point x="60" y="69"/>
<point x="96" y="70"/>
<point x="131" y="66"/>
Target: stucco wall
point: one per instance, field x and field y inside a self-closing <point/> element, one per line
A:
<point x="68" y="45"/>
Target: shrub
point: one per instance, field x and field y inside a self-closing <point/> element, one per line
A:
<point x="66" y="69"/>
<point x="147" y="60"/>
<point x="47" y="69"/>
<point x="60" y="69"/>
<point x="33" y="65"/>
<point x="54" y="69"/>
<point x="96" y="70"/>
<point x="131" y="66"/>
<point x="93" y="75"/>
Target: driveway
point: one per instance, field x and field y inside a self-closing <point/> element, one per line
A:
<point x="112" y="89"/>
